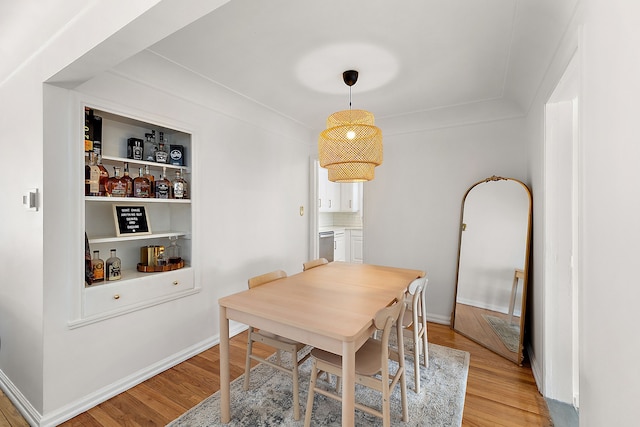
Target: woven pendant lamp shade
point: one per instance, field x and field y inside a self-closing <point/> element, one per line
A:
<point x="351" y="146"/>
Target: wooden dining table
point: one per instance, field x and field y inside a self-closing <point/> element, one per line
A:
<point x="329" y="307"/>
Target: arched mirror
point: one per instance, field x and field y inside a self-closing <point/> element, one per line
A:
<point x="493" y="264"/>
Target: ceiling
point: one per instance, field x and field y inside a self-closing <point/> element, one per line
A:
<point x="412" y="55"/>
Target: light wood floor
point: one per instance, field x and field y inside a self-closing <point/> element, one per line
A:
<point x="499" y="393"/>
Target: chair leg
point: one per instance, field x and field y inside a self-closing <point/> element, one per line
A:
<point x="312" y="387"/>
<point x="296" y="392"/>
<point x="416" y="358"/>
<point x="425" y="347"/>
<point x="247" y="369"/>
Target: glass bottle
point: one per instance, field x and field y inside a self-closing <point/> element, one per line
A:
<point x="150" y="147"/>
<point x="92" y="188"/>
<point x="128" y="180"/>
<point x="180" y="187"/>
<point x="116" y="185"/>
<point x="152" y="179"/>
<point x="141" y="185"/>
<point x="104" y="176"/>
<point x="97" y="267"/>
<point x="173" y="253"/>
<point x="161" y="260"/>
<point x="113" y="267"/>
<point x="162" y="155"/>
<point x="163" y="186"/>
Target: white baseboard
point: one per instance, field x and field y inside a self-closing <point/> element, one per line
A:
<point x="536" y="368"/>
<point x="436" y="318"/>
<point x="26" y="409"/>
<point x="34" y="418"/>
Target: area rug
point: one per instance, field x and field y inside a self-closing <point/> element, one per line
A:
<point x="268" y="402"/>
<point x="508" y="333"/>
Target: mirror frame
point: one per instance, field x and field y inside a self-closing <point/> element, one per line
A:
<point x="516" y="357"/>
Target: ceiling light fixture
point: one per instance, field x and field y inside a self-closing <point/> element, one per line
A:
<point x="351" y="145"/>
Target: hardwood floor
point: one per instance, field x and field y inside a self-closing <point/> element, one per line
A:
<point x="499" y="393"/>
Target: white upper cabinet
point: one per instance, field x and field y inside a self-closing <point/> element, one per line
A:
<point x="335" y="197"/>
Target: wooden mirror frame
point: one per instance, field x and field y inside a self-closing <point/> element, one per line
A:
<point x="473" y="321"/>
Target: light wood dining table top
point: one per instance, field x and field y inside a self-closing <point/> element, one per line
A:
<point x="329" y="307"/>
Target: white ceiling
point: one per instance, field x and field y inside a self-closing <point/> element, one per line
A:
<point x="412" y="55"/>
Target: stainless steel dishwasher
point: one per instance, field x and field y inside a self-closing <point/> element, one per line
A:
<point x="325" y="246"/>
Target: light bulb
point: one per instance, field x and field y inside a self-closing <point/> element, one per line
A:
<point x="351" y="134"/>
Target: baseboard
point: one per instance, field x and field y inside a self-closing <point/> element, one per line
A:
<point x="538" y="375"/>
<point x="436" y="318"/>
<point x="22" y="404"/>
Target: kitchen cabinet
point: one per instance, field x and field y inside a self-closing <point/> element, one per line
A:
<point x="339" y="252"/>
<point x="337" y="197"/>
<point x="355" y="246"/>
<point x="167" y="218"/>
<point x="350" y="196"/>
<point x="328" y="193"/>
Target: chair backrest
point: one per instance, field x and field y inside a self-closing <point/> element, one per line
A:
<point x="417" y="291"/>
<point x="314" y="263"/>
<point x="384" y="320"/>
<point x="266" y="278"/>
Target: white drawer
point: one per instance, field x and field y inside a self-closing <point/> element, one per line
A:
<point x="144" y="290"/>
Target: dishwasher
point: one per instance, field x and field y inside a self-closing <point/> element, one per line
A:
<point x="325" y="246"/>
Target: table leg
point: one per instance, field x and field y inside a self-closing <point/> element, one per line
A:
<point x="348" y="383"/>
<point x="225" y="385"/>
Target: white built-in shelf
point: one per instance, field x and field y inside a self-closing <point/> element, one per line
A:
<point x="144" y="163"/>
<point x="162" y="234"/>
<point x="134" y="200"/>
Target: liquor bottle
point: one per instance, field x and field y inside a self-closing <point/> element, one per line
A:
<point x="141" y="185"/>
<point x="163" y="186"/>
<point x="88" y="273"/>
<point x="128" y="180"/>
<point x="180" y="187"/>
<point x="93" y="188"/>
<point x="97" y="267"/>
<point x="97" y="134"/>
<point x="116" y="186"/>
<point x="104" y="176"/>
<point x="173" y="252"/>
<point x="162" y="155"/>
<point x="88" y="130"/>
<point x="150" y="147"/>
<point x="113" y="267"/>
<point x="152" y="179"/>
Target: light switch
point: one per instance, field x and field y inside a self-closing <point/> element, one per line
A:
<point x="30" y="199"/>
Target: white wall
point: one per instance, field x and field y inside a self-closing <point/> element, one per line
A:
<point x="21" y="231"/>
<point x="245" y="224"/>
<point x="412" y="207"/>
<point x="609" y="377"/>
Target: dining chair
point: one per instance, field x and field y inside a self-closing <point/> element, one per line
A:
<point x="278" y="342"/>
<point x="314" y="263"/>
<point x="372" y="366"/>
<point x="414" y="325"/>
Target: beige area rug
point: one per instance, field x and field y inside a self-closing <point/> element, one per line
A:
<point x="508" y="333"/>
<point x="269" y="400"/>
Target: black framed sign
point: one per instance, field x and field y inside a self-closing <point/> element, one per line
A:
<point x="131" y="220"/>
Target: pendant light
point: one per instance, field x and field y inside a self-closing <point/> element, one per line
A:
<point x="351" y="145"/>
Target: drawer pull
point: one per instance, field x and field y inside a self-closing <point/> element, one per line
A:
<point x="175" y="282"/>
<point x="116" y="296"/>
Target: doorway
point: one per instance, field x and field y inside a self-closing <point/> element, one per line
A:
<point x="562" y="188"/>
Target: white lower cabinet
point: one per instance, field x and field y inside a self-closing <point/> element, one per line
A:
<point x="148" y="289"/>
<point x="355" y="246"/>
<point x="339" y="252"/>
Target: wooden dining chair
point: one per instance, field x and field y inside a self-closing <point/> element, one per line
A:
<point x="414" y="325"/>
<point x="314" y="263"/>
<point x="278" y="342"/>
<point x="372" y="367"/>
